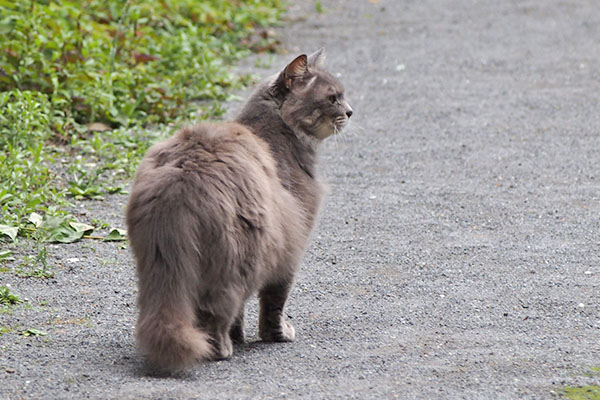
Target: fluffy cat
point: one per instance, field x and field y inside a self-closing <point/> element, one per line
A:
<point x="221" y="211"/>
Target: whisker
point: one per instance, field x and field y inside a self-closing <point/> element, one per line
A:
<point x="335" y="135"/>
<point x="344" y="136"/>
<point x="354" y="130"/>
<point x="340" y="132"/>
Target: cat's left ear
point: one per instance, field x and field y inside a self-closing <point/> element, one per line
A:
<point x="317" y="59"/>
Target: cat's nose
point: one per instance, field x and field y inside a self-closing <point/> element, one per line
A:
<point x="347" y="108"/>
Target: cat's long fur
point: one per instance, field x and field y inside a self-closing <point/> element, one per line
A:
<point x="221" y="211"/>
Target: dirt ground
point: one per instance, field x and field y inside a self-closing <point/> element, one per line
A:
<point x="458" y="253"/>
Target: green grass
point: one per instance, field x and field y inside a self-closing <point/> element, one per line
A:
<point x="588" y="392"/>
<point x="583" y="393"/>
<point x="86" y="87"/>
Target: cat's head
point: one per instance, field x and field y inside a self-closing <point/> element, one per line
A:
<point x="311" y="100"/>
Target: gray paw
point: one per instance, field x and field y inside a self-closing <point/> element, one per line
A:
<point x="283" y="333"/>
<point x="222" y="350"/>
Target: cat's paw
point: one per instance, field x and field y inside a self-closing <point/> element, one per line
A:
<point x="222" y="350"/>
<point x="236" y="333"/>
<point x="288" y="333"/>
<point x="283" y="333"/>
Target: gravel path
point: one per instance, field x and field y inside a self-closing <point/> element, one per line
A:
<point x="458" y="252"/>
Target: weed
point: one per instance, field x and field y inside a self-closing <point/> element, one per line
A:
<point x="100" y="224"/>
<point x="7" y="298"/>
<point x="319" y="7"/>
<point x="36" y="266"/>
<point x="84" y="184"/>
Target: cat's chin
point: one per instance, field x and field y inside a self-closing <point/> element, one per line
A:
<point x="323" y="131"/>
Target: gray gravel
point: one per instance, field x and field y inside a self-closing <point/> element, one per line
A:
<point x="457" y="255"/>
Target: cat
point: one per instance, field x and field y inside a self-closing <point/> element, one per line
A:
<point x="221" y="211"/>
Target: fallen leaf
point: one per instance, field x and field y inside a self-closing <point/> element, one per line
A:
<point x="80" y="227"/>
<point x="97" y="127"/>
<point x="6" y="255"/>
<point x="143" y="58"/>
<point x="33" y="332"/>
<point x="10" y="231"/>
<point x="35" y="219"/>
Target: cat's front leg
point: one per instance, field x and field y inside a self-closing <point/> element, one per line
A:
<point x="236" y="332"/>
<point x="272" y="327"/>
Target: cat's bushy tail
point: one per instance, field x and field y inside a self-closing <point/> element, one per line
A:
<point x="164" y="241"/>
<point x="168" y="339"/>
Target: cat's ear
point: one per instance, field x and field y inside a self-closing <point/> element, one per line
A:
<point x="317" y="59"/>
<point x="295" y="70"/>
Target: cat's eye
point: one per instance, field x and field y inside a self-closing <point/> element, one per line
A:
<point x="333" y="99"/>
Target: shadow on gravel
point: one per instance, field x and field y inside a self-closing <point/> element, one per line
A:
<point x="140" y="368"/>
<point x="137" y="366"/>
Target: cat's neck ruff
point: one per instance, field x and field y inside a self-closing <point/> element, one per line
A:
<point x="310" y="141"/>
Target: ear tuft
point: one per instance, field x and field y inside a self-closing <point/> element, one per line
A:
<point x="295" y="70"/>
<point x="317" y="59"/>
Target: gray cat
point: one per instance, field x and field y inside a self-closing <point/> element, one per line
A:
<point x="221" y="211"/>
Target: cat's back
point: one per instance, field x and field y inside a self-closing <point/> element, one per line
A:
<point x="209" y="145"/>
<point x="226" y="153"/>
<point x="219" y="170"/>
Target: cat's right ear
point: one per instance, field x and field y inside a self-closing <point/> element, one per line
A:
<point x="317" y="59"/>
<point x="295" y="70"/>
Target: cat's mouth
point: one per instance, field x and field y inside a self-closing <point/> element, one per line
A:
<point x="339" y="124"/>
<point x="328" y="127"/>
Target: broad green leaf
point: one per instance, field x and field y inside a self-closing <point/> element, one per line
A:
<point x="116" y="235"/>
<point x="5" y="3"/>
<point x="51" y="222"/>
<point x="59" y="230"/>
<point x="64" y="234"/>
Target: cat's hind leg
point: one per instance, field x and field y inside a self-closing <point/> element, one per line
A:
<point x="272" y="327"/>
